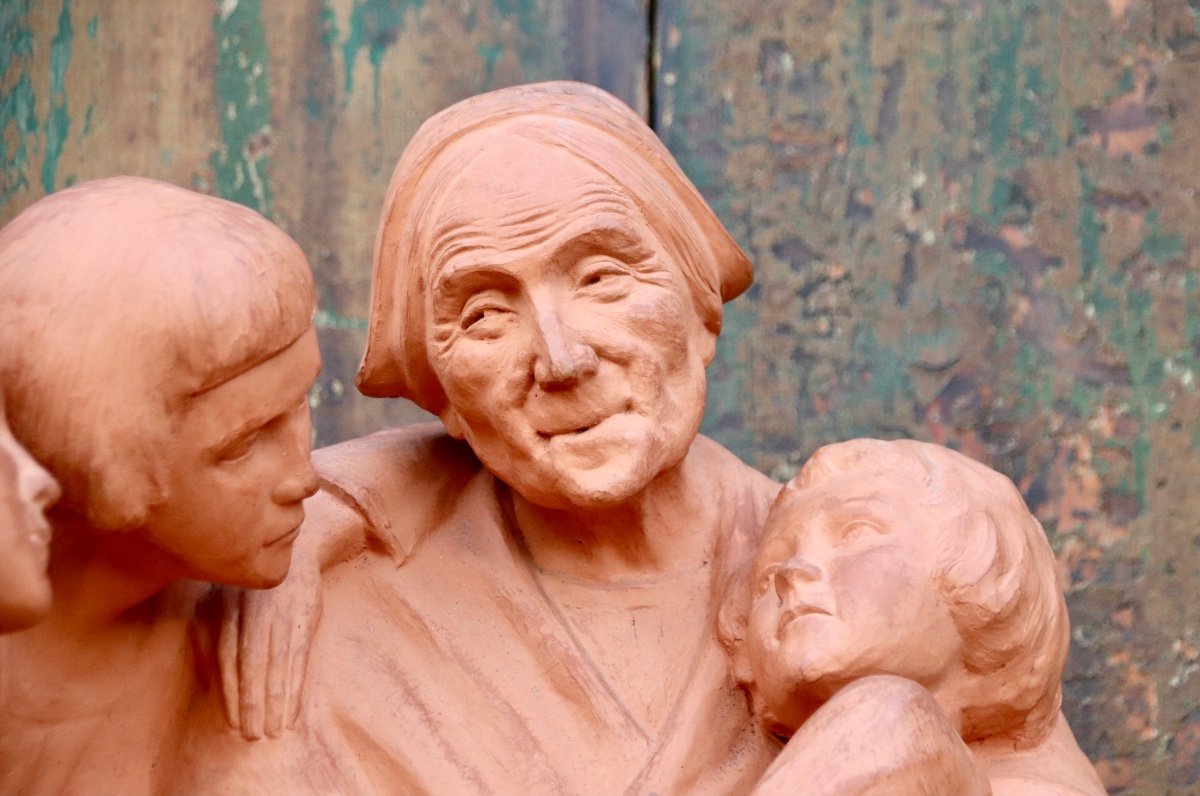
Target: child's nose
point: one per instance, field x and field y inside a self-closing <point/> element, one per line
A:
<point x="792" y="574"/>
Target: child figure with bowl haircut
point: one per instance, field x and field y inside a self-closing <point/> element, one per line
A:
<point x="156" y="351"/>
<point x="903" y="592"/>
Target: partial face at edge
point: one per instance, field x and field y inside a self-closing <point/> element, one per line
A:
<point x="237" y="474"/>
<point x="562" y="332"/>
<point x="26" y="491"/>
<point x="846" y="585"/>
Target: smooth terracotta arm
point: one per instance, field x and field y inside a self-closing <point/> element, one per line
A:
<point x="879" y="735"/>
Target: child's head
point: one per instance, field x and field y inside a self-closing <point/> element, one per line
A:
<point x="903" y="558"/>
<point x="129" y="309"/>
<point x="26" y="491"/>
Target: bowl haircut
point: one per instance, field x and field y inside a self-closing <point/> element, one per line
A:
<point x="120" y="300"/>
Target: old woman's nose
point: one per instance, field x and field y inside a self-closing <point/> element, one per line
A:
<point x="562" y="358"/>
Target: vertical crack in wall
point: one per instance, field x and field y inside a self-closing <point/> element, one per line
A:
<point x="652" y="23"/>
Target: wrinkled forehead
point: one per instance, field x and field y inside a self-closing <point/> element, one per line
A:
<point x="502" y="191"/>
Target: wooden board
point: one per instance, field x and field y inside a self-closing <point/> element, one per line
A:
<point x="974" y="223"/>
<point x="297" y="109"/>
<point x="977" y="224"/>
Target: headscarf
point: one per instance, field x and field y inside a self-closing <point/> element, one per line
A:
<point x="590" y="124"/>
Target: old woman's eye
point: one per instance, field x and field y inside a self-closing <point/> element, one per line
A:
<point x="476" y="315"/>
<point x="483" y="316"/>
<point x="604" y="279"/>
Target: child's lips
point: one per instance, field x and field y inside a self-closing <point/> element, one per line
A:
<point x="794" y="612"/>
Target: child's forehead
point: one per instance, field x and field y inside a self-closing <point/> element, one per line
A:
<point x="848" y="489"/>
<point x="881" y="495"/>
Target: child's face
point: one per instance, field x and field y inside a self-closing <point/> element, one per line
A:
<point x="238" y="470"/>
<point x="845" y="586"/>
<point x="26" y="491"/>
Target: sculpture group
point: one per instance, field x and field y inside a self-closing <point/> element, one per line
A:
<point x="561" y="587"/>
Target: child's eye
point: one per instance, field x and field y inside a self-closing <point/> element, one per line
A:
<point x="860" y="528"/>
<point x="239" y="449"/>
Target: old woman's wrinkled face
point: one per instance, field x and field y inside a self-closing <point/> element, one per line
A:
<point x="564" y="335"/>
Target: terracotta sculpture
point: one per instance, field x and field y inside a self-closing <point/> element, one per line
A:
<point x="156" y="349"/>
<point x="525" y="600"/>
<point x="908" y="559"/>
<point x="26" y="491"/>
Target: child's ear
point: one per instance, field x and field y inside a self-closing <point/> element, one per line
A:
<point x="453" y="422"/>
<point x="739" y="663"/>
<point x="732" y="624"/>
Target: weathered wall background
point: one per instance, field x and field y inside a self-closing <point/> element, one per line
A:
<point x="974" y="222"/>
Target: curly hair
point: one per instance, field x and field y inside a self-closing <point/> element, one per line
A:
<point x="128" y="292"/>
<point x="996" y="575"/>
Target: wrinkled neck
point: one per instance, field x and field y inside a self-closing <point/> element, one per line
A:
<point x="668" y="527"/>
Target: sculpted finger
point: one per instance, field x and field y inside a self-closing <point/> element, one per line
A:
<point x="276" y="674"/>
<point x="301" y="641"/>
<point x="252" y="641"/>
<point x="227" y="654"/>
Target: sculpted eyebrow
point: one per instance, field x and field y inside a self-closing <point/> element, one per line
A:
<point x="608" y="237"/>
<point x="241" y="431"/>
<point x="616" y="238"/>
<point x="463" y="276"/>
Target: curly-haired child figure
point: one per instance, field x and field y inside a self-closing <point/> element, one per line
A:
<point x="889" y="560"/>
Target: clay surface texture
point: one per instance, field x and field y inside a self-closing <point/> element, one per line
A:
<point x="560" y="587"/>
<point x="157" y="349"/>
<point x="532" y="586"/>
<point x="910" y="560"/>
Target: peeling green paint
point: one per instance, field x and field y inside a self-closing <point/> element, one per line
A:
<point x="58" y="123"/>
<point x="529" y="14"/>
<point x="329" y="319"/>
<point x="93" y="26"/>
<point x="490" y="53"/>
<point x="374" y="24"/>
<point x="1088" y="229"/>
<point x="18" y="111"/>
<point x="1158" y="246"/>
<point x="241" y="163"/>
<point x="1004" y="30"/>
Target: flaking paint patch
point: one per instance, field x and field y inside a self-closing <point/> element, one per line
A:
<point x="241" y="164"/>
<point x="374" y="25"/>
<point x="18" y="105"/>
<point x="58" y="122"/>
<point x="1032" y="301"/>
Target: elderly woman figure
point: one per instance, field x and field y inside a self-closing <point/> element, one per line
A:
<point x="156" y="350"/>
<point x="533" y="606"/>
<point x="521" y="599"/>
